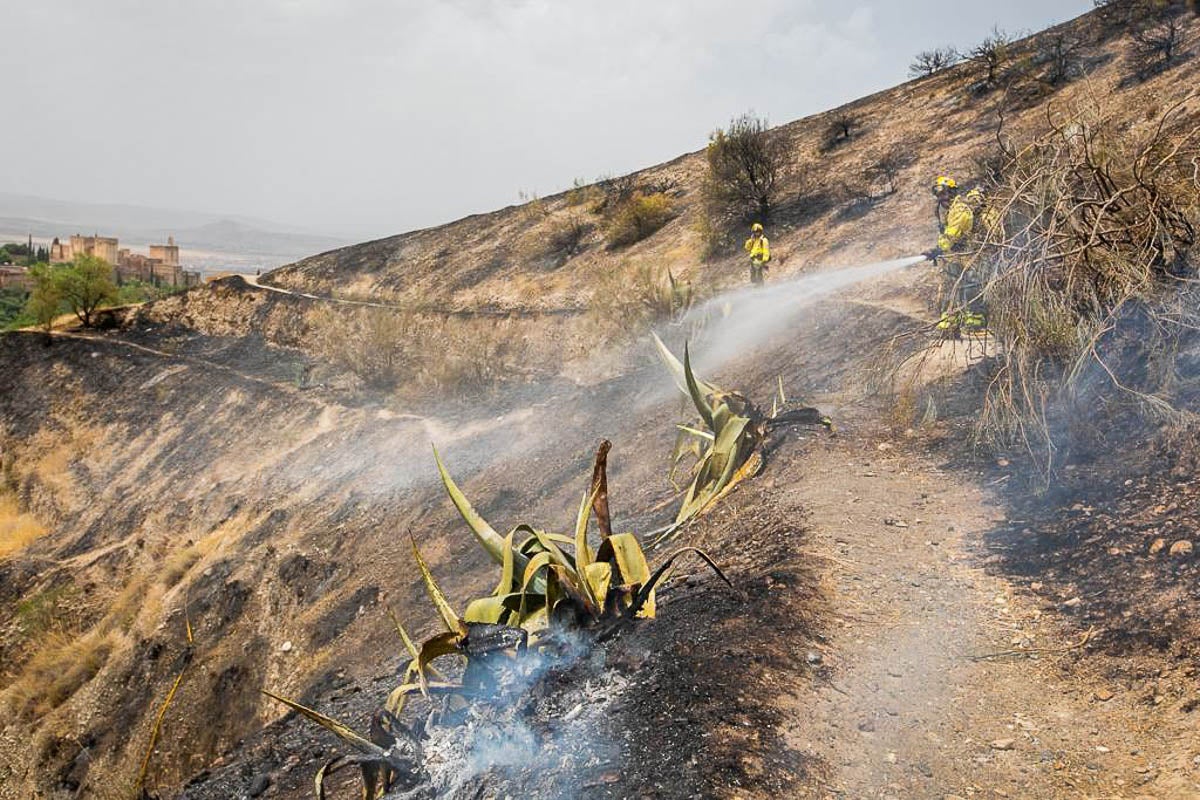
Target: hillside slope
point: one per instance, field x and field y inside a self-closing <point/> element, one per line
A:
<point x="207" y="465"/>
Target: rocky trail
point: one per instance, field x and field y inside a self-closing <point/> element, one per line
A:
<point x="947" y="681"/>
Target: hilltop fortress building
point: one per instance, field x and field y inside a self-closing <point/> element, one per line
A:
<point x="161" y="267"/>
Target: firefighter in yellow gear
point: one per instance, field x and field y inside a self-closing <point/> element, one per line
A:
<point x="960" y="220"/>
<point x="759" y="249"/>
<point x="945" y="189"/>
<point x="956" y="217"/>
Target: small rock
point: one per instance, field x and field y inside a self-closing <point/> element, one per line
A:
<point x="895" y="523"/>
<point x="1104" y="695"/>
<point x="259" y="785"/>
<point x="1001" y="462"/>
<point x="1181" y="548"/>
<point x="286" y="647"/>
<point x="1102" y="749"/>
<point x="1036" y="586"/>
<point x="883" y="447"/>
<point x="890" y="758"/>
<point x="1003" y="744"/>
<point x="1073" y="602"/>
<point x="867" y="726"/>
<point x="1157" y="546"/>
<point x="813" y="657"/>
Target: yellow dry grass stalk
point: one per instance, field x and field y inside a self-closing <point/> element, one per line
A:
<point x="140" y="786"/>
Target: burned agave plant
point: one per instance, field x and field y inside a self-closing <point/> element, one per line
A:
<point x="549" y="585"/>
<point x="728" y="439"/>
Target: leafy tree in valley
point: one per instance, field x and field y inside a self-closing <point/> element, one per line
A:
<point x="45" y="300"/>
<point x="85" y="285"/>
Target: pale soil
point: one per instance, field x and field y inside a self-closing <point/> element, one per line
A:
<point x="910" y="710"/>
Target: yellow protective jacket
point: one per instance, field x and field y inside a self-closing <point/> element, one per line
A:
<point x="960" y="219"/>
<point x="759" y="250"/>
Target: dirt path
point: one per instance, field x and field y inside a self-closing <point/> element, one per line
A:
<point x="499" y="313"/>
<point x="909" y="712"/>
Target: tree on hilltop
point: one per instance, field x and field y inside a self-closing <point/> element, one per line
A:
<point x="84" y="285"/>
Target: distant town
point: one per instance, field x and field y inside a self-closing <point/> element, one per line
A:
<point x="160" y="267"/>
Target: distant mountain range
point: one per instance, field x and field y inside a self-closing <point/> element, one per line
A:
<point x="246" y="238"/>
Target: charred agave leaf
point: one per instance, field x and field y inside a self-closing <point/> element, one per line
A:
<point x="485" y="638"/>
<point x="393" y="761"/>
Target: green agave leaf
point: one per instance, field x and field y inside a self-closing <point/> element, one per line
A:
<point x="696" y="432"/>
<point x="445" y="611"/>
<point x="583" y="553"/>
<point x="598" y="577"/>
<point x="408" y="643"/>
<point x="696" y="393"/>
<point x="674" y="365"/>
<point x="536" y="565"/>
<point x="485" y="533"/>
<point x="493" y="610"/>
<point x="507" y="567"/>
<point x="624" y="550"/>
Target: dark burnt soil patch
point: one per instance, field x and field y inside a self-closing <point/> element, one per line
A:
<point x="1113" y="546"/>
<point x="693" y="701"/>
<point x="705" y="712"/>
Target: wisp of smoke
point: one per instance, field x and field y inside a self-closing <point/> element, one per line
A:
<point x="396" y="455"/>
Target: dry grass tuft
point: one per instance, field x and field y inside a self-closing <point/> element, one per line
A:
<point x="60" y="668"/>
<point x="18" y="529"/>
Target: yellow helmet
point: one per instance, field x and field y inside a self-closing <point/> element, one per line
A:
<point x="944" y="184"/>
<point x="756" y="227"/>
<point x="975" y="197"/>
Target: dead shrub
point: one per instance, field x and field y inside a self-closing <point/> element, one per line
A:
<point x="991" y="55"/>
<point x="842" y="128"/>
<point x="1060" y="52"/>
<point x="472" y="360"/>
<point x="18" y="529"/>
<point x="1157" y="45"/>
<point x="883" y="172"/>
<point x="614" y="192"/>
<point x="60" y="668"/>
<point x="376" y="345"/>
<point x="1086" y="274"/>
<point x="567" y="237"/>
<point x="637" y="218"/>
<point x="627" y="301"/>
<point x="928" y="62"/>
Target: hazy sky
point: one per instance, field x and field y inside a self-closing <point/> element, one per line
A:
<point x="369" y="117"/>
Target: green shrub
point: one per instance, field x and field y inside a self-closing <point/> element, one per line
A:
<point x="639" y="217"/>
<point x="745" y="165"/>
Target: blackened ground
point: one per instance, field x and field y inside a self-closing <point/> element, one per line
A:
<point x="693" y="701"/>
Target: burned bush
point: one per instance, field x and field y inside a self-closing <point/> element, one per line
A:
<point x="1085" y="256"/>
<point x="1157" y="45"/>
<point x="928" y="62"/>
